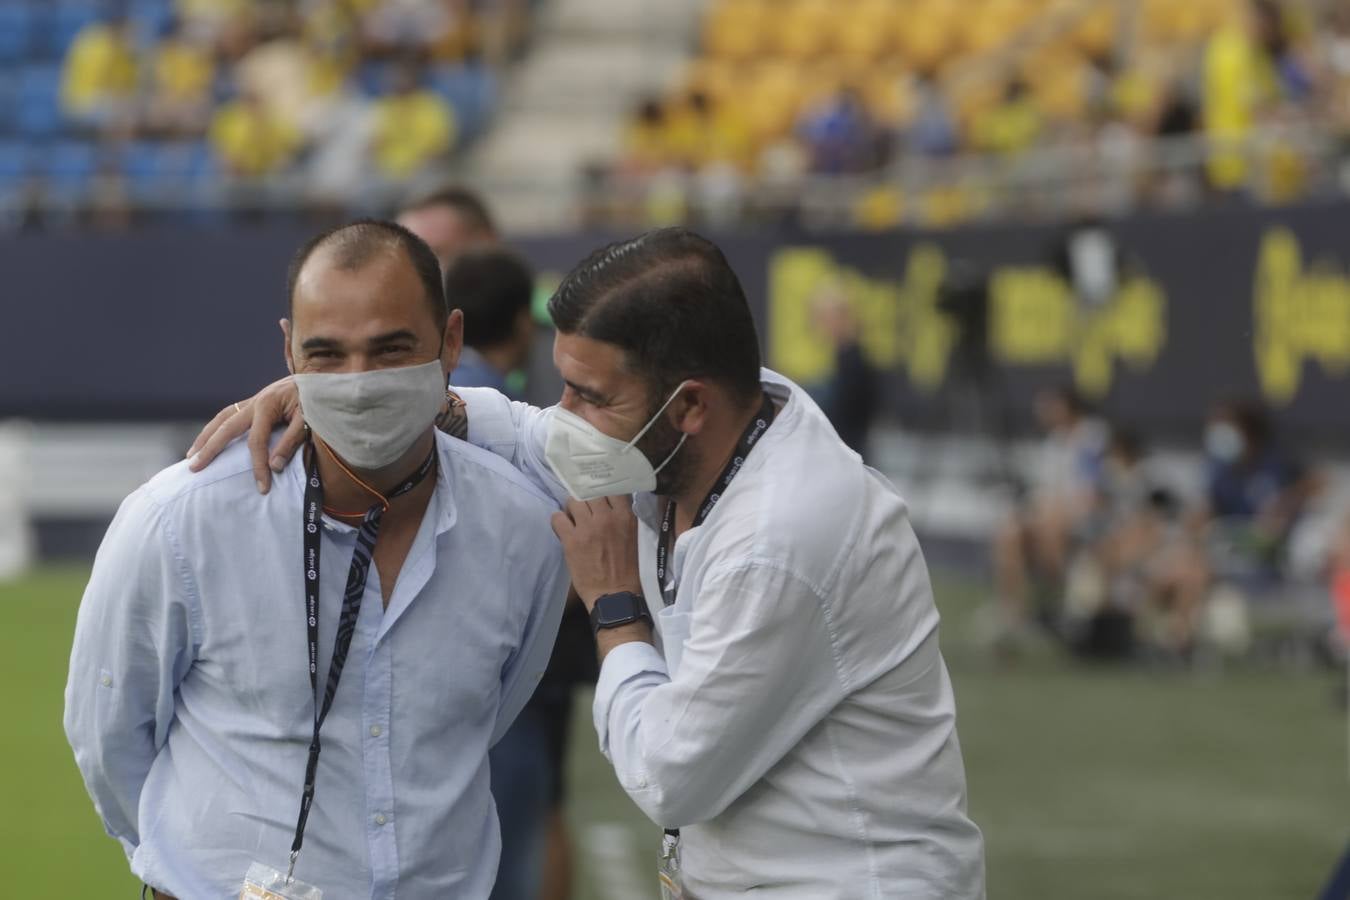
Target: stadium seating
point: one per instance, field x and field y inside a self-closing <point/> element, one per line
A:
<point x="35" y="39"/>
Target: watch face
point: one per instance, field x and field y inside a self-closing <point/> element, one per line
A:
<point x="613" y="610"/>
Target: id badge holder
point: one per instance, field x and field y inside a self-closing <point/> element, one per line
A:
<point x="266" y="883"/>
<point x="668" y="868"/>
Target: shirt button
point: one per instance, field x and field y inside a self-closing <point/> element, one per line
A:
<point x="375" y="731"/>
<point x="106" y="681"/>
<point x="380" y="819"/>
<point x="642" y="782"/>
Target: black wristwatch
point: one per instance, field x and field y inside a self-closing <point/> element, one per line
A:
<point x="622" y="608"/>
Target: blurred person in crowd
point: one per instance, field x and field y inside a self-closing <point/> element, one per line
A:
<point x="840" y="135"/>
<point x="850" y="398"/>
<point x="646" y="148"/>
<point x="1131" y="518"/>
<point x="396" y="27"/>
<point x="451" y="220"/>
<point x="250" y="140"/>
<point x="1036" y="540"/>
<point x="1249" y="67"/>
<point x="1256" y="494"/>
<point x="932" y="131"/>
<point x="771" y="683"/>
<point x="188" y="668"/>
<point x="414" y="126"/>
<point x="99" y="75"/>
<point x="182" y="72"/>
<point x="1010" y="126"/>
<point x="494" y="289"/>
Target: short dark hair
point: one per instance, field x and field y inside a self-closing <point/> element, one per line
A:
<point x="672" y="303"/>
<point x="467" y="204"/>
<point x="492" y="286"/>
<point x="357" y="243"/>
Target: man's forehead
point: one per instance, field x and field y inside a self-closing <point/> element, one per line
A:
<point x="371" y="296"/>
<point x="587" y="362"/>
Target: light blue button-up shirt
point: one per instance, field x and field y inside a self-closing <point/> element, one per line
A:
<point x="189" y="704"/>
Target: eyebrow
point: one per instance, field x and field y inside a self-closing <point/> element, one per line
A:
<point x="326" y="343"/>
<point x="588" y="394"/>
<point x="401" y="334"/>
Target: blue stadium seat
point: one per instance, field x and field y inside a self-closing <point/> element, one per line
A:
<point x="151" y="17"/>
<point x="69" y="164"/>
<point x="373" y="78"/>
<point x="14" y="159"/>
<point x="9" y="100"/>
<point x="63" y="22"/>
<point x="38" y="112"/>
<point x="471" y="90"/>
<point x="16" y="31"/>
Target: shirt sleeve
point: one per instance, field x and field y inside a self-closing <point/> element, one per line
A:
<point x="547" y="596"/>
<point x="133" y="645"/>
<point x="517" y="432"/>
<point x="756" y="674"/>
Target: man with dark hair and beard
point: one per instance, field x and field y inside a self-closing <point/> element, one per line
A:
<point x="771" y="689"/>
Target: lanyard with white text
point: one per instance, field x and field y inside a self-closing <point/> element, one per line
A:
<point x="666" y="540"/>
<point x="351" y="607"/>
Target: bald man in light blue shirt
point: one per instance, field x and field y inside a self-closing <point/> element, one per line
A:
<point x="190" y="706"/>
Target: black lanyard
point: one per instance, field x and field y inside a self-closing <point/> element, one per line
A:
<point x="351" y="607"/>
<point x="666" y="540"/>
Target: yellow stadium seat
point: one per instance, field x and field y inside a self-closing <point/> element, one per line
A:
<point x="736" y="29"/>
<point x="865" y="31"/>
<point x="801" y="29"/>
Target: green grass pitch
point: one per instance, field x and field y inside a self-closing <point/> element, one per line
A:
<point x="1089" y="783"/>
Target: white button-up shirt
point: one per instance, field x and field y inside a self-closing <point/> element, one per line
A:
<point x="796" y="721"/>
<point x="189" y="704"/>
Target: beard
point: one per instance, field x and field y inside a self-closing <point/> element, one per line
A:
<point x="657" y="445"/>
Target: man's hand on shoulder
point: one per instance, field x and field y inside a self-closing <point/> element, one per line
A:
<point x="257" y="416"/>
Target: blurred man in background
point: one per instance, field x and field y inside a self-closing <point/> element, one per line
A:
<point x="1033" y="545"/>
<point x="494" y="289"/>
<point x="451" y="220"/>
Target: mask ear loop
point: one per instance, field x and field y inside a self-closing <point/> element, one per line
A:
<point x="648" y="427"/>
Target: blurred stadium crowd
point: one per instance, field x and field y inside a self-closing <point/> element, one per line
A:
<point x="107" y="106"/>
<point x="861" y="113"/>
<point x="1117" y="554"/>
<point x="948" y="110"/>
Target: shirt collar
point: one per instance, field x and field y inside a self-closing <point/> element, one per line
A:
<point x="646" y="506"/>
<point x="442" y="503"/>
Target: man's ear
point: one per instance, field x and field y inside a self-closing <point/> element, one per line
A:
<point x="689" y="409"/>
<point x="286" y="345"/>
<point x="453" y="342"/>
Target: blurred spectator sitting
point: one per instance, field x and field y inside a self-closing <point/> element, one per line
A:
<point x="182" y="72"/>
<point x="1249" y="66"/>
<point x="1035" y="542"/>
<point x="645" y="142"/>
<point x="452" y="220"/>
<point x="250" y="140"/>
<point x="840" y="135"/>
<point x="414" y="126"/>
<point x="98" y="81"/>
<point x="1010" y="126"/>
<point x="1238" y="537"/>
<point x="932" y="130"/>
<point x="396" y="27"/>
